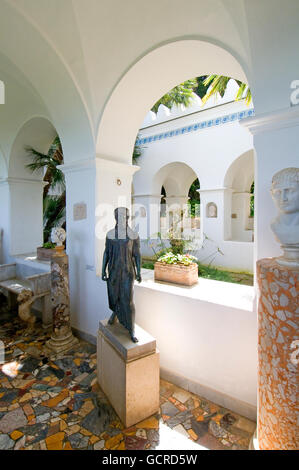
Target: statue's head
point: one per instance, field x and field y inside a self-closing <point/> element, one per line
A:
<point x="122" y="215"/>
<point x="285" y="190"/>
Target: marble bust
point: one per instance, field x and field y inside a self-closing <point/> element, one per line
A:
<point x="58" y="236"/>
<point x="285" y="194"/>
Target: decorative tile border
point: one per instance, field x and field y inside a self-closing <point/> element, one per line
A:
<point x="197" y="126"/>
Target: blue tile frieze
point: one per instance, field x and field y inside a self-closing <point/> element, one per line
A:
<point x="197" y="126"/>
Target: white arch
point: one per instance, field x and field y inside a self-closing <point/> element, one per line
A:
<point x="53" y="82"/>
<point x="3" y="165"/>
<point x="176" y="177"/>
<point x="25" y="228"/>
<point x="139" y="89"/>
<point x="38" y="132"/>
<point x="240" y="173"/>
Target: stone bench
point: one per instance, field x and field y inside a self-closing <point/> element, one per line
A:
<point x="38" y="284"/>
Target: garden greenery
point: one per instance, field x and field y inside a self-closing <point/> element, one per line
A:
<point x="171" y="258"/>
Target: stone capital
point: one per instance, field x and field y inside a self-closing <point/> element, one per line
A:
<point x="113" y="166"/>
<point x="275" y="120"/>
<point x="18" y="181"/>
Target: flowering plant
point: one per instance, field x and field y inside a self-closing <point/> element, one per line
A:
<point x="171" y="258"/>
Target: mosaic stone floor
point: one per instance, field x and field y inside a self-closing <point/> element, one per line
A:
<point x="57" y="404"/>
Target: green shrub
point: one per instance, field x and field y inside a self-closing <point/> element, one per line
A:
<point x="173" y="258"/>
<point x="49" y="245"/>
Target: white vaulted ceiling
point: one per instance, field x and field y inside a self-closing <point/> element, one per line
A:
<point x="72" y="54"/>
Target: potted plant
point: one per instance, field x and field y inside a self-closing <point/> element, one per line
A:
<point x="45" y="252"/>
<point x="176" y="268"/>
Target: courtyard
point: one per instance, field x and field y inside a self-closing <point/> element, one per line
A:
<point x="57" y="404"/>
<point x="185" y="118"/>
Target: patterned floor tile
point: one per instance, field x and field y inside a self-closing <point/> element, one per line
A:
<point x="58" y="404"/>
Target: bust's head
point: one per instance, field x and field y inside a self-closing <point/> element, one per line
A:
<point x="285" y="190"/>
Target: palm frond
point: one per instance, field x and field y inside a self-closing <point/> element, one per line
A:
<point x="218" y="84"/>
<point x="181" y="94"/>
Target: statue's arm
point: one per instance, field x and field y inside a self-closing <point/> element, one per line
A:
<point x="105" y="262"/>
<point x="137" y="258"/>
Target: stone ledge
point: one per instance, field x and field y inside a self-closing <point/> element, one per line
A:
<point x="231" y="295"/>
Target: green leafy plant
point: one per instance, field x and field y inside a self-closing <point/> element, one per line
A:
<point x="53" y="205"/>
<point x="171" y="258"/>
<point x="180" y="94"/>
<point x="49" y="163"/>
<point x="206" y="272"/>
<point x="194" y="198"/>
<point x="252" y="200"/>
<point x="49" y="245"/>
<point x="137" y="151"/>
<point x="148" y="264"/>
<point x="218" y="84"/>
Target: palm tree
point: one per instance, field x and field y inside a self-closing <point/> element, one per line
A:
<point x="49" y="162"/>
<point x="53" y="205"/>
<point x="137" y="152"/>
<point x="218" y="84"/>
<point x="181" y="94"/>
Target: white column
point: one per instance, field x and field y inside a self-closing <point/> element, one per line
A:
<point x="275" y="139"/>
<point x="5" y="220"/>
<point x="113" y="189"/>
<point x="240" y="214"/>
<point x="147" y="214"/>
<point x="21" y="215"/>
<point x="147" y="211"/>
<point x="176" y="210"/>
<point x="86" y="290"/>
<point x="217" y="228"/>
<point x="92" y="193"/>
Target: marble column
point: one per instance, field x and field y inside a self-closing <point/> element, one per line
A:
<point x="278" y="356"/>
<point x="62" y="338"/>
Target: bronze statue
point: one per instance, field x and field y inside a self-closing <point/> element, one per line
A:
<point x="123" y="259"/>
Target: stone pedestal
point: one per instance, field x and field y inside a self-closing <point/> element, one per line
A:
<point x="278" y="356"/>
<point x="128" y="372"/>
<point x="62" y="338"/>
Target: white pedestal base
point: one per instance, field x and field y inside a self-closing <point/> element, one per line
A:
<point x="128" y="372"/>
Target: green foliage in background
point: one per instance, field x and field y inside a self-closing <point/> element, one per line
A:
<point x="252" y="200"/>
<point x="53" y="206"/>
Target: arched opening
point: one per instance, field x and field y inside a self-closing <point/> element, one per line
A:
<point x="167" y="204"/>
<point x="26" y="187"/>
<point x="168" y="308"/>
<point x="176" y="61"/>
<point x="194" y="58"/>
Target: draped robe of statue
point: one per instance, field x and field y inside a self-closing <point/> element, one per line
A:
<point x="122" y="259"/>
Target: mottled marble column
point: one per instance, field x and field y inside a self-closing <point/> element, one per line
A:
<point x="278" y="356"/>
<point x="62" y="338"/>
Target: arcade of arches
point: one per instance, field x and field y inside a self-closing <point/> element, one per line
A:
<point x="89" y="80"/>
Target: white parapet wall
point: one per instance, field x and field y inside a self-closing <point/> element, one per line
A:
<point x="206" y="335"/>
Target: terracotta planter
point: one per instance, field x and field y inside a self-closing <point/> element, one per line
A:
<point x="176" y="273"/>
<point x="44" y="254"/>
